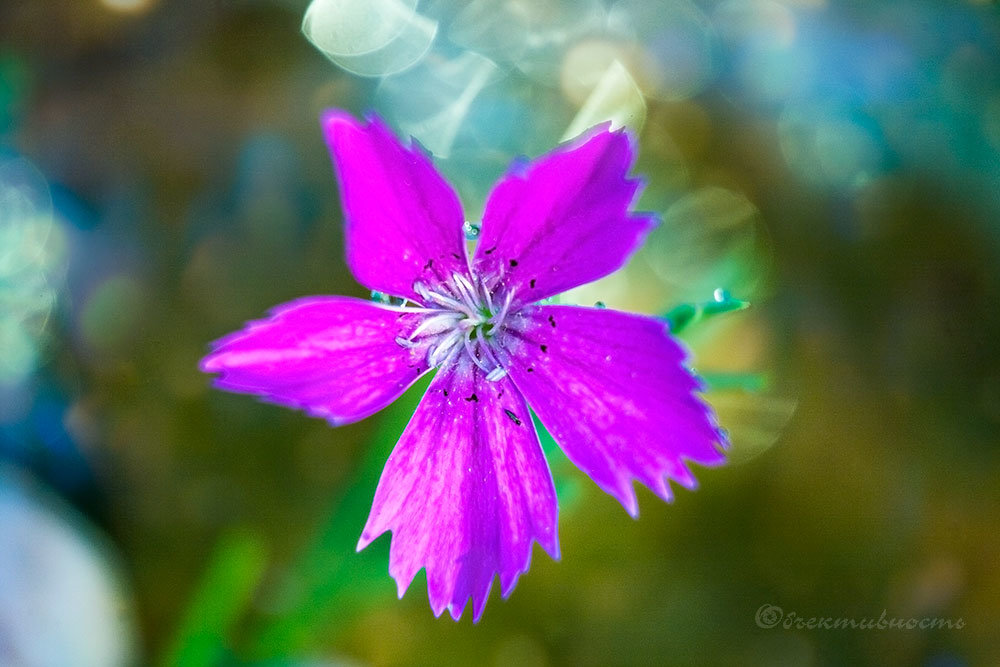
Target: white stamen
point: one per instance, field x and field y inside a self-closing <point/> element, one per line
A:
<point x="438" y="298"/>
<point x="405" y="342"/>
<point x="488" y="352"/>
<point x="466" y="291"/>
<point x="470" y="348"/>
<point x="420" y="289"/>
<point x="446" y="317"/>
<point x="419" y="309"/>
<point x="496" y="374"/>
<point x="460" y="314"/>
<point x="498" y="319"/>
<point x="450" y="303"/>
<point x="489" y="297"/>
<point x="443" y="350"/>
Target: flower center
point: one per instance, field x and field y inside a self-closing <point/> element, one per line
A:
<point x="460" y="315"/>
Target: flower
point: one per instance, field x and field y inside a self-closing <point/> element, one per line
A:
<point x="467" y="489"/>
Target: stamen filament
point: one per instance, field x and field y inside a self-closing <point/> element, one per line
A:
<point x="499" y="317"/>
<point x="470" y="348"/>
<point x="487" y="350"/>
<point x="450" y="302"/>
<point x="443" y="350"/>
<point x="465" y="319"/>
<point x="497" y="373"/>
<point x="442" y="317"/>
<point x="440" y="299"/>
<point x="467" y="292"/>
<point x="488" y="295"/>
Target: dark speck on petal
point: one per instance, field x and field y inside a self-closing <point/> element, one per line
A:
<point x="513" y="417"/>
<point x="473" y="398"/>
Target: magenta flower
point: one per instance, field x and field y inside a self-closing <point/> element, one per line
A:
<point x="467" y="489"/>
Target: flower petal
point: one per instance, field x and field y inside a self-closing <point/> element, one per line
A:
<point x="334" y="357"/>
<point x="465" y="492"/>
<point x="562" y="220"/>
<point x="402" y="221"/>
<point x="612" y="390"/>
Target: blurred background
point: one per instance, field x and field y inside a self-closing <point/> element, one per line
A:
<point x="163" y="179"/>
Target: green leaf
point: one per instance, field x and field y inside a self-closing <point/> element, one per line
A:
<point x="686" y="314"/>
<point x="225" y="590"/>
<point x="748" y="382"/>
